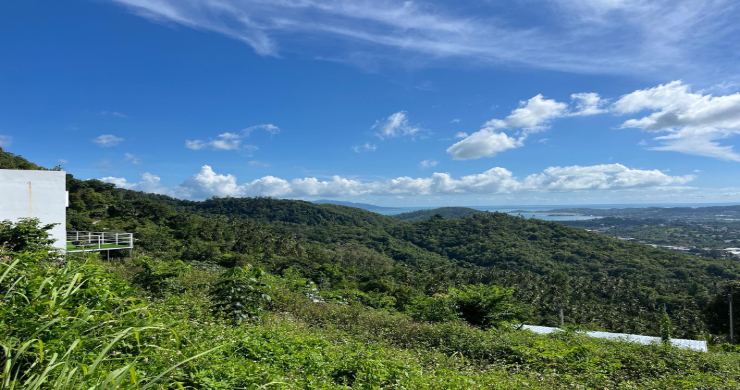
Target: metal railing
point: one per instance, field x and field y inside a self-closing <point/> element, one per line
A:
<point x="98" y="241"/>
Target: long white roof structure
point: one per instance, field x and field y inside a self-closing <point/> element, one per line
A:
<point x="694" y="345"/>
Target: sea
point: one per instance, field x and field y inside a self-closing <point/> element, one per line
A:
<point x="540" y="211"/>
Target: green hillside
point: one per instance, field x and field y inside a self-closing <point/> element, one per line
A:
<point x="387" y="263"/>
<point x="445" y="212"/>
<point x="268" y="293"/>
<point x="270" y="210"/>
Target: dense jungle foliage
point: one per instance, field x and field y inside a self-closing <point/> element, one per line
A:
<point x="444" y="212"/>
<point x="388" y="264"/>
<point x="144" y="323"/>
<point x="267" y="293"/>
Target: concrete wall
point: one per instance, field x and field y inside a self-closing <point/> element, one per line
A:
<point x="36" y="194"/>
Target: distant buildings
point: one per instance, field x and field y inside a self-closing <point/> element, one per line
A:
<point x="733" y="251"/>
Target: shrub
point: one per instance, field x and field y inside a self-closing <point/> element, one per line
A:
<point x="437" y="308"/>
<point x="158" y="276"/>
<point x="484" y="305"/>
<point x="25" y="235"/>
<point x="242" y="293"/>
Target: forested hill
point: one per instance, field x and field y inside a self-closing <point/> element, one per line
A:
<point x="364" y="206"/>
<point x="270" y="210"/>
<point x="444" y="212"/>
<point x="386" y="263"/>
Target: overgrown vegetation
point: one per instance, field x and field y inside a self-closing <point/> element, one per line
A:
<point x="266" y="293"/>
<point x="444" y="212"/>
<point x="388" y="264"/>
<point x="86" y="327"/>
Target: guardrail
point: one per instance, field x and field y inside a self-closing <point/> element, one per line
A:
<point x="79" y="241"/>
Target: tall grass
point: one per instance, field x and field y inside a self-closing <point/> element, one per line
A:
<point x="71" y="326"/>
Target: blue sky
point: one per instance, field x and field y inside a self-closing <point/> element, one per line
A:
<point x="409" y="103"/>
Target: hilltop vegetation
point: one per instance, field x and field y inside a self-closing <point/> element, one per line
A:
<point x="444" y="212"/>
<point x="387" y="264"/>
<point x="298" y="295"/>
<point x="149" y="324"/>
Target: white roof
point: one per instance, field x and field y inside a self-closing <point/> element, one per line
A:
<point x="694" y="345"/>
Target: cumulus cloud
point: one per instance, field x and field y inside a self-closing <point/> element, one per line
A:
<point x="692" y="122"/>
<point x="395" y="125"/>
<point x="5" y="141"/>
<point x="231" y="141"/>
<point x="208" y="183"/>
<point x="687" y="122"/>
<point x="426" y="164"/>
<point x="600" y="177"/>
<point x="588" y="104"/>
<point x="532" y="115"/>
<point x="107" y="140"/>
<point x="149" y="183"/>
<point x="483" y="143"/>
<point x="367" y="147"/>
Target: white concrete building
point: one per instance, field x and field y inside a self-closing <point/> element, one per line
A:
<point x="35" y="194"/>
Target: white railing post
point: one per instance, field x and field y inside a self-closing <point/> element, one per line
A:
<point x="116" y="239"/>
<point x="99" y="246"/>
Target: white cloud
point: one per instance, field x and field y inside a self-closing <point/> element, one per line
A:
<point x="5" y="141"/>
<point x="133" y="159"/>
<point x="255" y="163"/>
<point x="588" y="104"/>
<point x="426" y="164"/>
<point x="114" y="113"/>
<point x="63" y="161"/>
<point x="268" y="127"/>
<point x="600" y="177"/>
<point x="604" y="36"/>
<point x="693" y="123"/>
<point x="225" y="141"/>
<point x="107" y="140"/>
<point x="456" y="120"/>
<point x="672" y="96"/>
<point x="461" y="134"/>
<point x="367" y="147"/>
<point x="149" y="183"/>
<point x="483" y="143"/>
<point x="395" y="125"/>
<point x="207" y="183"/>
<point x="231" y="141"/>
<point x="532" y="115"/>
